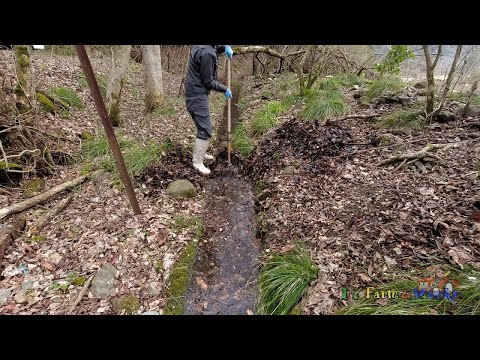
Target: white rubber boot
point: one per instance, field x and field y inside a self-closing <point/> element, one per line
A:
<point x="199" y="151"/>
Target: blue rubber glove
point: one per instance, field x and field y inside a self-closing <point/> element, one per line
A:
<point x="228" y="51"/>
<point x="228" y="94"/>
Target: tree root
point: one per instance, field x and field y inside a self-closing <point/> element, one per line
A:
<point x="423" y="154"/>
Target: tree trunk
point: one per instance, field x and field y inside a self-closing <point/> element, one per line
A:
<point x="449" y="80"/>
<point x="120" y="57"/>
<point x="24" y="89"/>
<point x="152" y="72"/>
<point x="430" y="81"/>
<point x="10" y="232"/>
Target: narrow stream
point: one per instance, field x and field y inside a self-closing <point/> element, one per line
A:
<point x="225" y="270"/>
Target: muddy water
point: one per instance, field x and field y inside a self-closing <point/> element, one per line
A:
<point x="225" y="270"/>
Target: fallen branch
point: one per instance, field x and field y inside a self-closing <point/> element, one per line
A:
<point x="473" y="124"/>
<point x="10" y="232"/>
<point x="418" y="155"/>
<point x="81" y="294"/>
<point x="263" y="49"/>
<point x="376" y="148"/>
<point x="42" y="197"/>
<point x="45" y="219"/>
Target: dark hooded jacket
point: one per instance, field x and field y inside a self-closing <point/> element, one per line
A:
<point x="202" y="71"/>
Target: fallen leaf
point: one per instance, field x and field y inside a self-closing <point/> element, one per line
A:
<point x="460" y="256"/>
<point x="287" y="248"/>
<point x="365" y="278"/>
<point x="402" y="215"/>
<point x="370" y="270"/>
<point x="249" y="312"/>
<point x="202" y="283"/>
<point x="382" y="301"/>
<point x="49" y="265"/>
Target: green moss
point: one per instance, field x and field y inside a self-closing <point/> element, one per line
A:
<point x="193" y="224"/>
<point x="407" y="118"/>
<point x="179" y="281"/>
<point x="66" y="97"/>
<point x="85" y="135"/>
<point x="12" y="166"/>
<point x="159" y="266"/>
<point x="33" y="187"/>
<point x="126" y="303"/>
<point x="87" y="169"/>
<point x="37" y="238"/>
<point x="46" y="103"/>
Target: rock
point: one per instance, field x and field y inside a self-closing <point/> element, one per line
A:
<point x="103" y="284"/>
<point x="4" y="295"/>
<point x="473" y="110"/>
<point x="364" y="102"/>
<point x="150" y="313"/>
<point x="20" y="297"/>
<point x="421" y="84"/>
<point x="390" y="262"/>
<point x="289" y="170"/>
<point x="55" y="258"/>
<point x="422" y="92"/>
<point x="154" y="288"/>
<point x="128" y="304"/>
<point x="445" y="116"/>
<point x="27" y="285"/>
<point x="404" y="99"/>
<point x="181" y="188"/>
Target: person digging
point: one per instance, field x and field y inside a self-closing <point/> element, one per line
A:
<point x="201" y="78"/>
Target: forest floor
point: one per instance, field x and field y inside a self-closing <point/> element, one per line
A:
<point x="321" y="187"/>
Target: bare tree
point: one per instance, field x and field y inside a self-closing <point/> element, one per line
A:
<point x="24" y="89"/>
<point x="448" y="82"/>
<point x="430" y="79"/>
<point x="152" y="72"/>
<point x="120" y="57"/>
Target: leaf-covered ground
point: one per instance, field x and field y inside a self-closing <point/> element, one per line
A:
<point x="360" y="221"/>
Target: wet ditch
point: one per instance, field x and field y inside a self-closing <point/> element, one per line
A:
<point x="224" y="270"/>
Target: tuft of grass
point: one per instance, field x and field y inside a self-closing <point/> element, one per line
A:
<point x="468" y="302"/>
<point x="194" y="224"/>
<point x="179" y="281"/>
<point x="266" y="118"/>
<point x="329" y="84"/>
<point x="324" y="104"/>
<point x="409" y="118"/>
<point x="349" y="80"/>
<point x="67" y="96"/>
<point x="241" y="141"/>
<point x="385" y="83"/>
<point x="101" y="81"/>
<point x="137" y="156"/>
<point x="283" y="281"/>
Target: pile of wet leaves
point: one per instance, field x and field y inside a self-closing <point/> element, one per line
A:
<point x="302" y="140"/>
<point x="175" y="165"/>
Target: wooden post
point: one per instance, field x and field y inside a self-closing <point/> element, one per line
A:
<point x="107" y="125"/>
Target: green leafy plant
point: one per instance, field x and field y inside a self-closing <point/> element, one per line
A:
<point x="395" y="56"/>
